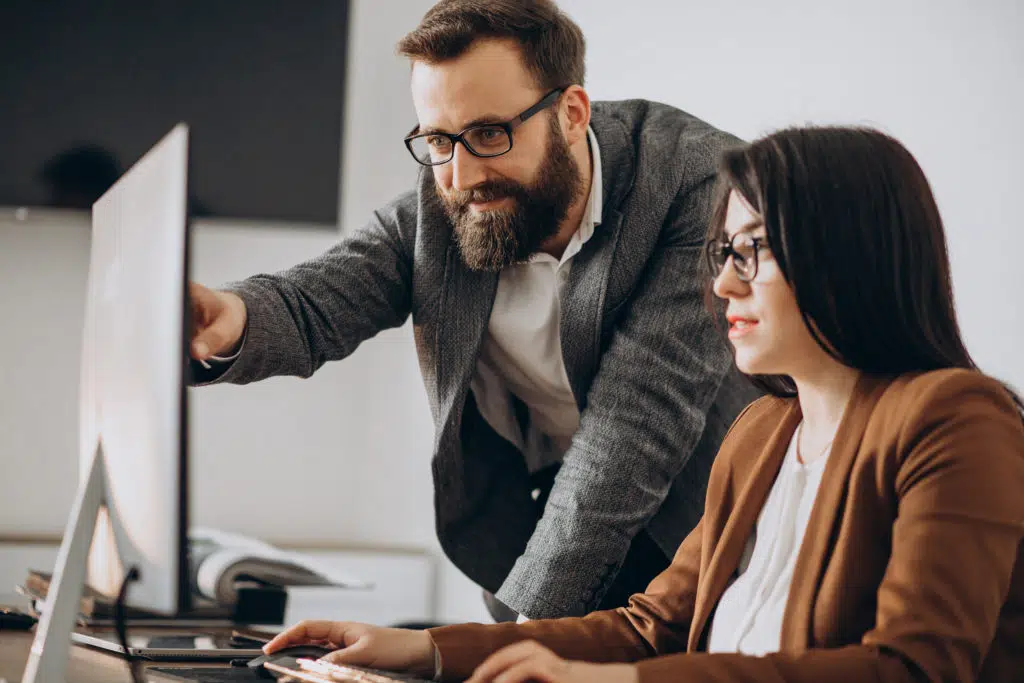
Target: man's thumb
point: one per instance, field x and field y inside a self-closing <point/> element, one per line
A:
<point x="200" y="349"/>
<point x="211" y="340"/>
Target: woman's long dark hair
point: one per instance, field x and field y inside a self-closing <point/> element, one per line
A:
<point x="856" y="232"/>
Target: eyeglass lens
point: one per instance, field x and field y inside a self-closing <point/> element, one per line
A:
<point x="485" y="141"/>
<point x="743" y="252"/>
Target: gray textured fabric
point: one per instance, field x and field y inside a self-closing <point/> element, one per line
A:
<point x="650" y="373"/>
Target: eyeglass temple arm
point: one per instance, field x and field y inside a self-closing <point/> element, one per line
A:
<point x="545" y="102"/>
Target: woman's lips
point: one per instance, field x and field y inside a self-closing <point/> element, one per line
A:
<point x="739" y="326"/>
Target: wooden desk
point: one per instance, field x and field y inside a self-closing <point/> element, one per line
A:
<point x="85" y="665"/>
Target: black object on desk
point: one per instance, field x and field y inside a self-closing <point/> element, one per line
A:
<point x="203" y="675"/>
<point x="257" y="604"/>
<point x="287" y="657"/>
<point x="173" y="647"/>
<point x="13" y="619"/>
<point x="238" y="675"/>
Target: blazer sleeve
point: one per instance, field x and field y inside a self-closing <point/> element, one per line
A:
<point x="321" y="310"/>
<point x="645" y="413"/>
<point x="655" y="621"/>
<point x="955" y="544"/>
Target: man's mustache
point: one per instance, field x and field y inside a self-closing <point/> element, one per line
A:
<point x="485" y="192"/>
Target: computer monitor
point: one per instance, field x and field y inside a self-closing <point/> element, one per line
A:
<point x="132" y="495"/>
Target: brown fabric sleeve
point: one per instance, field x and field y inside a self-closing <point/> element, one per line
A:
<point x="656" y="621"/>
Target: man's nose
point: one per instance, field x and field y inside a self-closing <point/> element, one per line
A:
<point x="468" y="170"/>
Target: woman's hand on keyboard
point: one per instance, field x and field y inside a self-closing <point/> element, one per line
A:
<point x="376" y="647"/>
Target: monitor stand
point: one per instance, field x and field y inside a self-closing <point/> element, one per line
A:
<point x="48" y="660"/>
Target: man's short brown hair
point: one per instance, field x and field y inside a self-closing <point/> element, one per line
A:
<point x="552" y="44"/>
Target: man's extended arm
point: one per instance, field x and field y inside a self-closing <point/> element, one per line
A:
<point x="321" y="310"/>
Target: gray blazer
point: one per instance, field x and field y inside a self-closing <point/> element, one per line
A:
<point x="653" y="378"/>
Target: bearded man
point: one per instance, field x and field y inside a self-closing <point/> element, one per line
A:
<point x="550" y="256"/>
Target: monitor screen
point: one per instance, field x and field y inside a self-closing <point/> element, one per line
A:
<point x="88" y="86"/>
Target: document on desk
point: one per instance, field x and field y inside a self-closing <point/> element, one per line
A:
<point x="219" y="559"/>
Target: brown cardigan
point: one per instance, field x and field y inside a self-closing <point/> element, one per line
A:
<point x="911" y="568"/>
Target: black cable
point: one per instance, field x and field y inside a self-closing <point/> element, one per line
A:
<point x="134" y="663"/>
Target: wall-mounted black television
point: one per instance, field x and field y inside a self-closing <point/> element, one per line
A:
<point x="87" y="87"/>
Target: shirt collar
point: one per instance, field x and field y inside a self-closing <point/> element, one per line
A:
<point x="596" y="202"/>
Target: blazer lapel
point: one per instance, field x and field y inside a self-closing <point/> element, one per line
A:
<point x="819" y="537"/>
<point x="581" y="315"/>
<point x="464" y="312"/>
<point x="740" y="522"/>
<point x="583" y="304"/>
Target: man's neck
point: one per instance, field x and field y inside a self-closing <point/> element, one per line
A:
<point x="556" y="245"/>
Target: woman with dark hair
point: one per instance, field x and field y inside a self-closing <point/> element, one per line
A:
<point x="864" y="521"/>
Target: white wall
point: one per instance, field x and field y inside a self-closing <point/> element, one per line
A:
<point x="343" y="457"/>
<point x="943" y="76"/>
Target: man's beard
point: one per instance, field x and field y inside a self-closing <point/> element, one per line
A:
<point x="492" y="240"/>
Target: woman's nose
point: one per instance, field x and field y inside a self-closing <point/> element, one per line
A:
<point x="727" y="284"/>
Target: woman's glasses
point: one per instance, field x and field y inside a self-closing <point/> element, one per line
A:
<point x="744" y="252"/>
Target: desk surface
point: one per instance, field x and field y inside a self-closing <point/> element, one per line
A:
<point x="85" y="665"/>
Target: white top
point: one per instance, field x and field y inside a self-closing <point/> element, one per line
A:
<point x="521" y="353"/>
<point x="749" y="616"/>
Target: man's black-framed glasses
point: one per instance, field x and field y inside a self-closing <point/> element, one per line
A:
<point x="483" y="140"/>
<point x="743" y="248"/>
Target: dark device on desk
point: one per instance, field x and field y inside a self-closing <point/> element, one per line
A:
<point x="180" y="647"/>
<point x="203" y="675"/>
<point x="256" y="604"/>
<point x="12" y="619"/>
<point x="287" y="657"/>
<point x="252" y="675"/>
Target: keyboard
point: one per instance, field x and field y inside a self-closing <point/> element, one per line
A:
<point x="238" y="674"/>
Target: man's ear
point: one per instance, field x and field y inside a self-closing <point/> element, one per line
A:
<point x="574" y="112"/>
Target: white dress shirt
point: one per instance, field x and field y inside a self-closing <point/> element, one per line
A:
<point x="748" y="619"/>
<point x="521" y="353"/>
